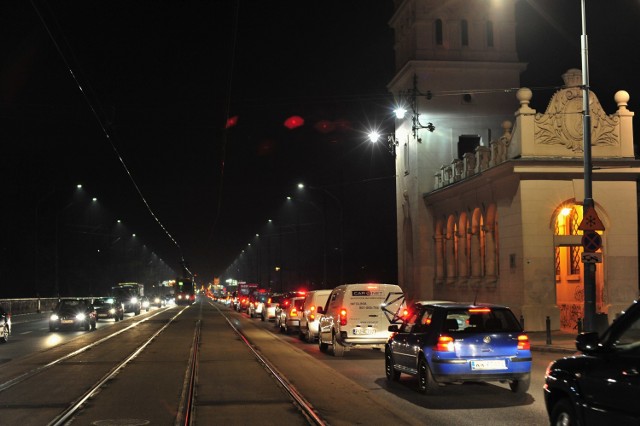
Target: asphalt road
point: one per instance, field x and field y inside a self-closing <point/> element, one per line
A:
<point x="232" y="386"/>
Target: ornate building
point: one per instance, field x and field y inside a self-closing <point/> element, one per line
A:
<point x="489" y="191"/>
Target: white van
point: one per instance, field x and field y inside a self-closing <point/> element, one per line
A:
<point x="358" y="316"/>
<point x="309" y="319"/>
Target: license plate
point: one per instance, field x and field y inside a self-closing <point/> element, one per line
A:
<point x="66" y="321"/>
<point x="361" y="331"/>
<point x="490" y="364"/>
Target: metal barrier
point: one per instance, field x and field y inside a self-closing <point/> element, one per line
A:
<point x="28" y="306"/>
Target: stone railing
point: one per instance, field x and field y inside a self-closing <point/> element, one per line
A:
<point x="476" y="162"/>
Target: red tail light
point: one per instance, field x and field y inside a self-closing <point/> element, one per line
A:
<point x="479" y="310"/>
<point x="312" y="317"/>
<point x="343" y="316"/>
<point x="523" y="342"/>
<point x="445" y="344"/>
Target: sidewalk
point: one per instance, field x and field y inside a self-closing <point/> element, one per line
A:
<point x="561" y="342"/>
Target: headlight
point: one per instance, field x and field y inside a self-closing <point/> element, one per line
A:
<point x="81" y="317"/>
<point x="134" y="300"/>
<point x="156" y="300"/>
<point x="54" y="317"/>
<point x="145" y="303"/>
<point x="112" y="311"/>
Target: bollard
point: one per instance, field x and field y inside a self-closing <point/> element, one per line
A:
<point x="579" y="325"/>
<point x="548" y="330"/>
<point x="522" y="321"/>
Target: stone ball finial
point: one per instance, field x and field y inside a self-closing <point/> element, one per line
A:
<point x="572" y="77"/>
<point x="507" y="125"/>
<point x="524" y="95"/>
<point x="622" y="98"/>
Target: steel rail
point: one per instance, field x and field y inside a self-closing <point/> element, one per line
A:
<point x="305" y="406"/>
<point x="75" y="406"/>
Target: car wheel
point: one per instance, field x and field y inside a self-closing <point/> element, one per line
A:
<point x="338" y="349"/>
<point x="87" y="326"/>
<point x="392" y="374"/>
<point x="563" y="414"/>
<point x="262" y="317"/>
<point x="51" y="328"/>
<point x="307" y="336"/>
<point x="323" y="346"/>
<point x="426" y="384"/>
<point x="520" y="386"/>
<point x="94" y="325"/>
<point x="5" y="334"/>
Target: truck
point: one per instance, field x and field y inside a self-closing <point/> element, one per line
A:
<point x="130" y="295"/>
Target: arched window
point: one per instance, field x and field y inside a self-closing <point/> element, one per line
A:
<point x="464" y="32"/>
<point x="489" y="34"/>
<point x="567" y="223"/>
<point x="439" y="32"/>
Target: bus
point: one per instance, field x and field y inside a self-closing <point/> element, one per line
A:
<point x="184" y="291"/>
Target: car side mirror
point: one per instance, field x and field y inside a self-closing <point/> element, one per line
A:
<point x="320" y="310"/>
<point x="394" y="328"/>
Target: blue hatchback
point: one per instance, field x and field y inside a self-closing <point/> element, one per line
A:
<point x="447" y="342"/>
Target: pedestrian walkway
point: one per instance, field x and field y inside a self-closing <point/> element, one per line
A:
<point x="556" y="341"/>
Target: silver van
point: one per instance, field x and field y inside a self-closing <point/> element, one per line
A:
<point x="309" y="319"/>
<point x="358" y="316"/>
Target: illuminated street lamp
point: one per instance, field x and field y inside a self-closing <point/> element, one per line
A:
<point x="339" y="204"/>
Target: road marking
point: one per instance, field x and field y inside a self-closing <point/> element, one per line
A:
<point x="25" y="332"/>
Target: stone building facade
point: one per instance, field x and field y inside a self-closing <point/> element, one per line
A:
<point x="489" y="190"/>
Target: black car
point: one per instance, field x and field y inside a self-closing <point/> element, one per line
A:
<point x="5" y="323"/>
<point x="73" y="313"/>
<point x="108" y="308"/>
<point x="601" y="385"/>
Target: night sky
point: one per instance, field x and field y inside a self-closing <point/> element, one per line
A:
<point x="146" y="134"/>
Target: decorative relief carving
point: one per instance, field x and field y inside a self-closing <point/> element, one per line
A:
<point x="561" y="124"/>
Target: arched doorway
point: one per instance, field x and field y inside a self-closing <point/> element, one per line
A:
<point x="569" y="269"/>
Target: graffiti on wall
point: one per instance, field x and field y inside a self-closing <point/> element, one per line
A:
<point x="569" y="315"/>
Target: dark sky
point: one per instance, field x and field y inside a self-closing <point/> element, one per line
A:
<point x="160" y="78"/>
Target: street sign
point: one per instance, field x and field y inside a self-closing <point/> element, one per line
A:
<point x="590" y="221"/>
<point x="591" y="257"/>
<point x="591" y="241"/>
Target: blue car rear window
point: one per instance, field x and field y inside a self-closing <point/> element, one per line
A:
<point x="480" y="320"/>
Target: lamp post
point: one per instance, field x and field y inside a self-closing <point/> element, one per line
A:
<point x="341" y="210"/>
<point x="589" y="268"/>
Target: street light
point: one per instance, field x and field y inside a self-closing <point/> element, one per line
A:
<point x="341" y="210"/>
<point x="589" y="268"/>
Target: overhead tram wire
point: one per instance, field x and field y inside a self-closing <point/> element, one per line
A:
<point x="103" y="127"/>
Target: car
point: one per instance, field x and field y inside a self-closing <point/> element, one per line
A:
<point x="357" y="316"/>
<point x="108" y="308"/>
<point x="309" y="318"/>
<point x="289" y="319"/>
<point x="145" y="303"/>
<point x="5" y="323"/>
<point x="158" y="301"/>
<point x="257" y="299"/>
<point x="73" y="313"/>
<point x="601" y="384"/>
<point x="270" y="307"/>
<point x="283" y="303"/>
<point x="447" y="342"/>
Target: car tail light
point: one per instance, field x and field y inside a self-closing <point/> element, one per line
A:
<point x="312" y="317"/>
<point x="293" y="312"/>
<point x="479" y="310"/>
<point x="523" y="342"/>
<point x="343" y="316"/>
<point x="445" y="344"/>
